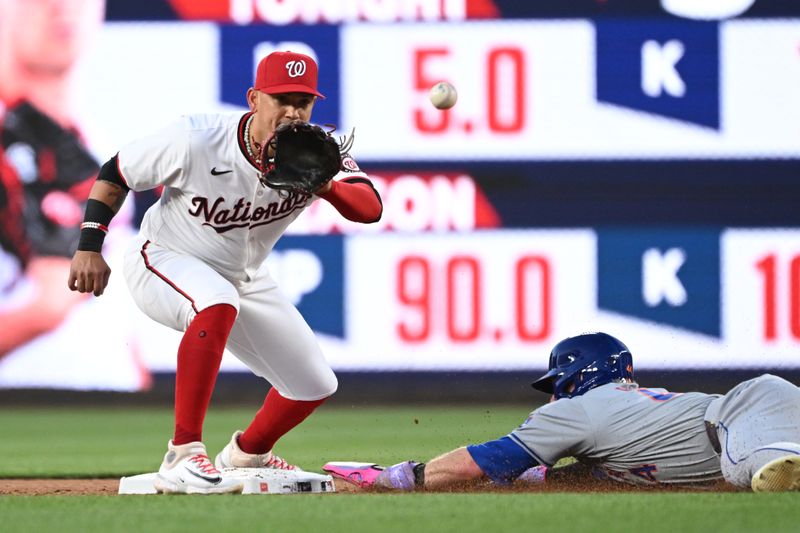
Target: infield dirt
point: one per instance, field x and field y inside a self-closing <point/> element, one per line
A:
<point x="82" y="487"/>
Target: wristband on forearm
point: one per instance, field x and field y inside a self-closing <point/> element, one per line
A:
<point x="419" y="475"/>
<point x="95" y="226"/>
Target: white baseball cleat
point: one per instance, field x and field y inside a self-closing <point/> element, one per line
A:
<point x="779" y="475"/>
<point x="188" y="470"/>
<point x="232" y="456"/>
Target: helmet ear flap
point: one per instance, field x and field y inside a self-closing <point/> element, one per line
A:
<point x="570" y="386"/>
<point x="578" y="364"/>
<point x="625" y="363"/>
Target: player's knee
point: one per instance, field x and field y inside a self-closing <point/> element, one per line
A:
<point x="325" y="387"/>
<point x="328" y="386"/>
<point x="334" y="386"/>
<point x="220" y="302"/>
<point x="312" y="388"/>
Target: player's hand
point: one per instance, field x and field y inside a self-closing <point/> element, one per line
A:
<point x="88" y="272"/>
<point x="535" y="475"/>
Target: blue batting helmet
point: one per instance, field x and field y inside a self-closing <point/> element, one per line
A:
<point x="581" y="363"/>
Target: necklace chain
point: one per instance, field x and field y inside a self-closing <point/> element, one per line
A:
<point x="247" y="140"/>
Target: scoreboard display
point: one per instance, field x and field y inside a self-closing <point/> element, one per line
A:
<point x="575" y="90"/>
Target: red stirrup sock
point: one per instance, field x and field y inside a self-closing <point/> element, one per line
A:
<point x="275" y="418"/>
<point x="199" y="357"/>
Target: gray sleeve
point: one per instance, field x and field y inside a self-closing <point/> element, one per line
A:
<point x="556" y="430"/>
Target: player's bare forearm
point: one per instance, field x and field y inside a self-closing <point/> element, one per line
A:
<point x="453" y="468"/>
<point x="109" y="193"/>
<point x="89" y="272"/>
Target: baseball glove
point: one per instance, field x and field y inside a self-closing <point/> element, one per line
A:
<point x="305" y="157"/>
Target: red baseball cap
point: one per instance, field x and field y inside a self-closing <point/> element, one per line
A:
<point x="287" y="72"/>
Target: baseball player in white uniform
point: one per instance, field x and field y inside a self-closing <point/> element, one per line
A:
<point x="195" y="266"/>
<point x="750" y="437"/>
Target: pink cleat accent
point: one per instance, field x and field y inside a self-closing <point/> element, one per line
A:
<point x="359" y="474"/>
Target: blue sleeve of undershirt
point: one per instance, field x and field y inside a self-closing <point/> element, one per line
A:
<point x="503" y="460"/>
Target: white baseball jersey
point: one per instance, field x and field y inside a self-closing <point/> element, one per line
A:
<point x="212" y="207"/>
<point x="204" y="242"/>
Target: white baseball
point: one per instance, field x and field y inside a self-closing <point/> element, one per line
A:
<point x="443" y="95"/>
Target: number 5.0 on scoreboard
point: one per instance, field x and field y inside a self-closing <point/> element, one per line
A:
<point x="507" y="78"/>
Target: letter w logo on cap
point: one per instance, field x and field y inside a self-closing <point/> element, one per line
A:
<point x="296" y="69"/>
<point x="287" y="72"/>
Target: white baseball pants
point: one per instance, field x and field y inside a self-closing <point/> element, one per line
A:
<point x="269" y="335"/>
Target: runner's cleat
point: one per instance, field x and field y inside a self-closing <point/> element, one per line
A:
<point x="779" y="475"/>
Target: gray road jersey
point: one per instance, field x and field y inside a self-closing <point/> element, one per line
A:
<point x="630" y="433"/>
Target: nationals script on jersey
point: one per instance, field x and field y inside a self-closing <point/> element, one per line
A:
<point x="213" y="206"/>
